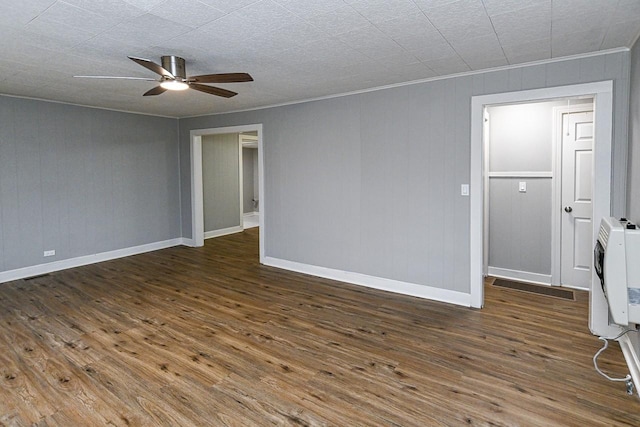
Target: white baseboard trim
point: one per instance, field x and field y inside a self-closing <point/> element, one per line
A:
<point x="250" y="220"/>
<point x="222" y="232"/>
<point x="633" y="361"/>
<point x="578" y="288"/>
<point x="36" y="270"/>
<point x="505" y="273"/>
<point x="405" y="288"/>
<point x="188" y="242"/>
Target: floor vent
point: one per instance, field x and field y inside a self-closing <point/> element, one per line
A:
<point x="551" y="291"/>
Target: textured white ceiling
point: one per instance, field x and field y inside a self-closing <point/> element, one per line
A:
<point x="294" y="49"/>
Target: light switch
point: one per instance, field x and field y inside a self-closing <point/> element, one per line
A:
<point x="522" y="187"/>
<point x="464" y="190"/>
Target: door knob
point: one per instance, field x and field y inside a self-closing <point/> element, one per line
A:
<point x="568" y="209"/>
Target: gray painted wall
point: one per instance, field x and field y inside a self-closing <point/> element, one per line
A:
<point x="220" y="181"/>
<point x="520" y="138"/>
<point x="520" y="225"/>
<point x="82" y="181"/>
<point x="249" y="175"/>
<point x="370" y="182"/>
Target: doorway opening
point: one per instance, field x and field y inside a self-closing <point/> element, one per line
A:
<point x="537" y="191"/>
<point x="602" y="93"/>
<point x="250" y="200"/>
<point x="238" y="137"/>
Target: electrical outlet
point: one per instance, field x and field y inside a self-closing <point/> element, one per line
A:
<point x="49" y="253"/>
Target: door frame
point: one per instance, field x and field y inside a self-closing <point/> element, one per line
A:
<point x="556" y="203"/>
<point x="602" y="93"/>
<point x="197" y="195"/>
<point x="486" y="135"/>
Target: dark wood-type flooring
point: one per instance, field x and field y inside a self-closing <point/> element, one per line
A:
<point x="208" y="337"/>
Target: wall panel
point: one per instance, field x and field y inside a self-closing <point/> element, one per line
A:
<point x="82" y="181"/>
<point x="383" y="169"/>
<point x="221" y="181"/>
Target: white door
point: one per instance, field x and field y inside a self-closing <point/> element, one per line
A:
<point x="577" y="165"/>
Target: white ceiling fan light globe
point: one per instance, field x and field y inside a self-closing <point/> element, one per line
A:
<point x="174" y="85"/>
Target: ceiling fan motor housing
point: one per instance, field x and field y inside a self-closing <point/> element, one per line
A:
<point x="174" y="65"/>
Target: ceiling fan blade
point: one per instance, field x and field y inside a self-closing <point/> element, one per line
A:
<point x="152" y="66"/>
<point x="222" y="78"/>
<point x="155" y="91"/>
<point x="118" y="77"/>
<point x="212" y="90"/>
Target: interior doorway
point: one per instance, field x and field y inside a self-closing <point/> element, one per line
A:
<point x="537" y="185"/>
<point x="230" y="183"/>
<point x="222" y="184"/>
<point x="250" y="200"/>
<point x="197" y="193"/>
<point x="602" y="93"/>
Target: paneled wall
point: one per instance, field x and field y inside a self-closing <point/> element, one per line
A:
<point x="370" y="183"/>
<point x="221" y="181"/>
<point x="83" y="181"/>
<point x="249" y="179"/>
<point x="520" y="226"/>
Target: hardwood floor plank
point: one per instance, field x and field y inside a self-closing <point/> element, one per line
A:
<point x="208" y="336"/>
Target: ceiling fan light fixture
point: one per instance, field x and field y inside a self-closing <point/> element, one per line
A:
<point x="173" y="76"/>
<point x="174" y="85"/>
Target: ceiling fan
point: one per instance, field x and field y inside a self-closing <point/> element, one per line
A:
<point x="173" y="77"/>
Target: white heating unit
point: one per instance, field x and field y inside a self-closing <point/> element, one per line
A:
<point x="617" y="263"/>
